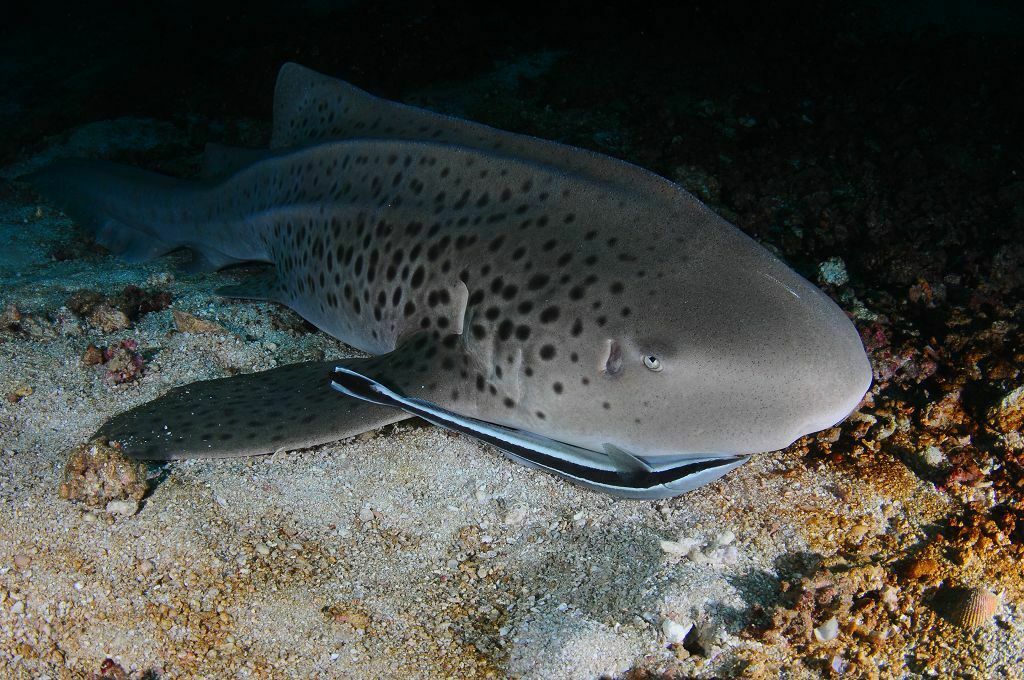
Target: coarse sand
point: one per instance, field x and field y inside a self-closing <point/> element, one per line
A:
<point x="409" y="552"/>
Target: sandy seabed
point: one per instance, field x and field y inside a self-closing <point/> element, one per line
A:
<point x="413" y="552"/>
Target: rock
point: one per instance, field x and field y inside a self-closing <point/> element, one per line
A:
<point x="932" y="457"/>
<point x="93" y="355"/>
<point x="22" y="561"/>
<point x="833" y="272"/>
<point x="19" y="393"/>
<point x="123" y="362"/>
<point x="98" y="473"/>
<point x="11" y="316"/>
<point x="1008" y="415"/>
<point x="921" y="568"/>
<point x="108" y="319"/>
<point x="189" y="323"/>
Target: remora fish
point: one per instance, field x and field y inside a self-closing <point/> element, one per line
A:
<point x="582" y="314"/>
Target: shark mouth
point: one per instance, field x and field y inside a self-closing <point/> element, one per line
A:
<point x="612" y="471"/>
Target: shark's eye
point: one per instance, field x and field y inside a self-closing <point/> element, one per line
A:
<point x="652" y="362"/>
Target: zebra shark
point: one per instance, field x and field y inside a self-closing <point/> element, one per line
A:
<point x="583" y="315"/>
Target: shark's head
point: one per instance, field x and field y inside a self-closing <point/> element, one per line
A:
<point x="718" y="348"/>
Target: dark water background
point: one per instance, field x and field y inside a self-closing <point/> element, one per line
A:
<point x="737" y="88"/>
<point x="886" y="134"/>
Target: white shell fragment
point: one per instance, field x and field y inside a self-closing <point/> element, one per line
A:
<point x="674" y="631"/>
<point x="717" y="553"/>
<point x="680" y="548"/>
<point x="827" y="631"/>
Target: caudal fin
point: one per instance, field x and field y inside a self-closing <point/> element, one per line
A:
<point x="134" y="213"/>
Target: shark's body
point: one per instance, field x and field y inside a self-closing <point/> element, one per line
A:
<point x="511" y="284"/>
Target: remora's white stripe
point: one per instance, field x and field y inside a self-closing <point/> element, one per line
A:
<point x="514" y="438"/>
<point x="693" y="470"/>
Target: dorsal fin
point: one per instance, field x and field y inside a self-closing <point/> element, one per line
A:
<point x="310" y="107"/>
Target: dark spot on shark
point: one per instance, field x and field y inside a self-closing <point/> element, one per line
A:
<point x="549" y="315"/>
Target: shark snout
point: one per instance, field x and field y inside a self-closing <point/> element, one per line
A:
<point x="842" y="374"/>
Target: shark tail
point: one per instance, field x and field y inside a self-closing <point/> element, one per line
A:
<point x="136" y="214"/>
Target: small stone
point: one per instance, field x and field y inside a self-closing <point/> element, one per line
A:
<point x="725" y="538"/>
<point x="189" y="323"/>
<point x="726" y="555"/>
<point x="11" y="315"/>
<point x="93" y="355"/>
<point x="22" y="561"/>
<point x="830" y="436"/>
<point x="18" y="607"/>
<point x="932" y="456"/>
<point x="366" y="514"/>
<point x="97" y="473"/>
<point x="125" y="508"/>
<point x="833" y="272"/>
<point x="827" y="631"/>
<point x="674" y="631"/>
<point x="515" y="516"/>
<point x="146" y="567"/>
<point x="921" y="568"/>
<point x="19" y="393"/>
<point x="859" y="531"/>
<point x="890" y="598"/>
<point x="1008" y="415"/>
<point x="263" y="549"/>
<point x="108" y="319"/>
<point x="123" y="362"/>
<point x="160" y="279"/>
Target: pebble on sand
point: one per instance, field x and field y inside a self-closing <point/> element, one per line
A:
<point x="190" y="323"/>
<point x="97" y="473"/>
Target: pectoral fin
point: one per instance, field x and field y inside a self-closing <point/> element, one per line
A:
<point x="255" y="413"/>
<point x="263" y="286"/>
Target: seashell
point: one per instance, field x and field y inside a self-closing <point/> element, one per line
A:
<point x="974" y="607"/>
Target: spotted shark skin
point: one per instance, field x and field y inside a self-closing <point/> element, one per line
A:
<point x="507" y="280"/>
